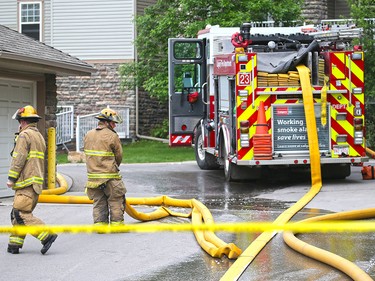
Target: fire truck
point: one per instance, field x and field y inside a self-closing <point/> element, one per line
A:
<point x="223" y="80"/>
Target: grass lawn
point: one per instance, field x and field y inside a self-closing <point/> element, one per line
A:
<point x="147" y="151"/>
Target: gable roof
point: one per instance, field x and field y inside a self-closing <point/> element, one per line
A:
<point x="20" y="52"/>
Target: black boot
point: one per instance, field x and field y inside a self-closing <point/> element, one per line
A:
<point x="13" y="249"/>
<point x="47" y="243"/>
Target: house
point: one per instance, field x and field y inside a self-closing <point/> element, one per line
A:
<point x="100" y="33"/>
<point x="28" y="70"/>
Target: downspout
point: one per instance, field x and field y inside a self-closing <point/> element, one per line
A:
<point x="137" y="90"/>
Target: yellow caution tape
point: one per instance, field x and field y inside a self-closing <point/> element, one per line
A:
<point x="307" y="227"/>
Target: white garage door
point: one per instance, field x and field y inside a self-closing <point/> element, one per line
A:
<point x="13" y="95"/>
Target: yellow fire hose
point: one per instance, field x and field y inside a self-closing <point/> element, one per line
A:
<point x="370" y="152"/>
<point x="63" y="186"/>
<point x="260" y="242"/>
<point x="209" y="242"/>
<point x="200" y="214"/>
<point x="326" y="257"/>
<point x="236" y="270"/>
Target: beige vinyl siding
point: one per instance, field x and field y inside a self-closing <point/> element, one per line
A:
<point x="91" y="29"/>
<point x="8" y="14"/>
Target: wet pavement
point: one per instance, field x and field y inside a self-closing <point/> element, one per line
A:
<point x="177" y="256"/>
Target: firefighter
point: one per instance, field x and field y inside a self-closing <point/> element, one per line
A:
<point x="26" y="177"/>
<point x="103" y="150"/>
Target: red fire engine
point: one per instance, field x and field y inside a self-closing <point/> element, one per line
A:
<point x="221" y="83"/>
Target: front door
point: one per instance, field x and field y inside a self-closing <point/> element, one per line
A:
<point x="187" y="88"/>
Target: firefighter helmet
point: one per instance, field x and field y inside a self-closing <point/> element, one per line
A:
<point x="110" y="115"/>
<point x="26" y="112"/>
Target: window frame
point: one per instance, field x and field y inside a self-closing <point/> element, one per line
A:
<point x="21" y="24"/>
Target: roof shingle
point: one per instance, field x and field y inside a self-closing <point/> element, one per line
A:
<point x="17" y="44"/>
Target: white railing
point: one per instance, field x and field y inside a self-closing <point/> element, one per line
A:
<point x="64" y="124"/>
<point x="87" y="122"/>
<point x="343" y="22"/>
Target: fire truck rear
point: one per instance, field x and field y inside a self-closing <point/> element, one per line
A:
<point x="228" y="82"/>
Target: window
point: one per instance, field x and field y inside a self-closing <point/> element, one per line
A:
<point x="187" y="50"/>
<point x="30" y="19"/>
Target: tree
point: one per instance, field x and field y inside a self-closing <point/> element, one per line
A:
<point x="184" y="18"/>
<point x="363" y="11"/>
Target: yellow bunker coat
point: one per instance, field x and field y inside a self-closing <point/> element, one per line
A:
<point x="27" y="166"/>
<point x="103" y="150"/>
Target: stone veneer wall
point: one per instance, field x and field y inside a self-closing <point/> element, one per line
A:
<point x="152" y="113"/>
<point x="314" y="11"/>
<point x="90" y="94"/>
<point x="51" y="102"/>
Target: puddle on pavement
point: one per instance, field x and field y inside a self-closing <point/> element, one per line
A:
<point x="276" y="261"/>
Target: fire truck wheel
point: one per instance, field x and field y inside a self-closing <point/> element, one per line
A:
<point x="229" y="170"/>
<point x="234" y="172"/>
<point x="205" y="161"/>
<point x="335" y="171"/>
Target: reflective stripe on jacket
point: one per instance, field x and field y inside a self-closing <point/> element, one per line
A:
<point x="103" y="150"/>
<point x="27" y="166"/>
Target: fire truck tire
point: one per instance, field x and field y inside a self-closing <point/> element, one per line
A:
<point x="336" y="171"/>
<point x="234" y="172"/>
<point x="205" y="161"/>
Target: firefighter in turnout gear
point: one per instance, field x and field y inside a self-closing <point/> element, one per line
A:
<point x="103" y="150"/>
<point x="26" y="177"/>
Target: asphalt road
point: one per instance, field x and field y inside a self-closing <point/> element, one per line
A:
<point x="177" y="256"/>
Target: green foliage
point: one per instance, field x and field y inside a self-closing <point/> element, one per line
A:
<point x="161" y="131"/>
<point x="370" y="125"/>
<point x="184" y="18"/>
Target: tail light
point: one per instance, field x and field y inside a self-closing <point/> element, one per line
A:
<point x="358" y="130"/>
<point x="244" y="133"/>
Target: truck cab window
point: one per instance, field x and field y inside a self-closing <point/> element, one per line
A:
<point x="187" y="78"/>
<point x="187" y="50"/>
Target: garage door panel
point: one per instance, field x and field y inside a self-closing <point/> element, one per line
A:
<point x="13" y="95"/>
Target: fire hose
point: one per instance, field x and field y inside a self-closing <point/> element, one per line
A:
<point x="244" y="260"/>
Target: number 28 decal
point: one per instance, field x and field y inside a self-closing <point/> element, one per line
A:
<point x="244" y="78"/>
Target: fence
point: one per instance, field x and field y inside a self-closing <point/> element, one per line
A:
<point x="64" y="125"/>
<point x="88" y="122"/>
